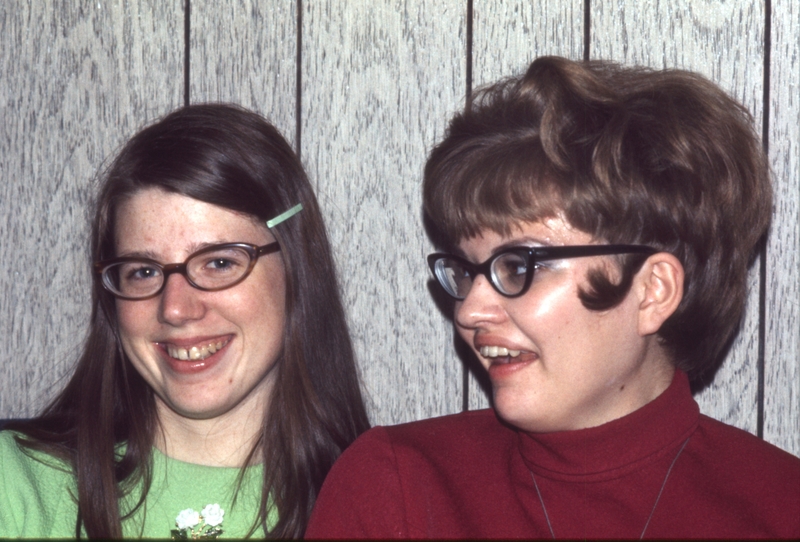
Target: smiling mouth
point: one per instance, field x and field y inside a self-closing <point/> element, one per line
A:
<point x="498" y="352"/>
<point x="195" y="353"/>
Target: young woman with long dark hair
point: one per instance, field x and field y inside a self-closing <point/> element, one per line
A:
<point x="217" y="385"/>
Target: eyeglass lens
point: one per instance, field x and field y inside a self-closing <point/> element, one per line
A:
<point x="508" y="273"/>
<point x="209" y="270"/>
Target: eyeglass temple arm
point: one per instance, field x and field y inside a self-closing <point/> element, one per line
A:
<point x="555" y="253"/>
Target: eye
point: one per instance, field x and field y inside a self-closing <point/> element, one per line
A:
<point x="220" y="264"/>
<point x="510" y="265"/>
<point x="139" y="272"/>
<point x="223" y="262"/>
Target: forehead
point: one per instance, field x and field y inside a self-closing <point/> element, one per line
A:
<point x="164" y="223"/>
<point x="554" y="231"/>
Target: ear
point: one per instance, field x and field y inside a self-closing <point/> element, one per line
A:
<point x="660" y="287"/>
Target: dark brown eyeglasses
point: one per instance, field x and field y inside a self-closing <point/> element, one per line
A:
<point x="213" y="268"/>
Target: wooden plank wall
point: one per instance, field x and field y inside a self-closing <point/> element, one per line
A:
<point x="363" y="89"/>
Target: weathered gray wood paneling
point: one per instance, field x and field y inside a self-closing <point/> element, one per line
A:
<point x="724" y="41"/>
<point x="77" y="79"/>
<point x="379" y="81"/>
<point x="251" y="59"/>
<point x="507" y="36"/>
<point x="782" y="349"/>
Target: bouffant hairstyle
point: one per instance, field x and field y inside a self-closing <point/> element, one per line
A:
<point x="233" y="158"/>
<point x="628" y="155"/>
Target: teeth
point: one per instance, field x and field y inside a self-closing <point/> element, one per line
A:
<point x="498" y="351"/>
<point x="195" y="353"/>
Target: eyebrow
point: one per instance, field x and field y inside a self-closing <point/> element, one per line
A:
<point x="526" y="242"/>
<point x="512" y="243"/>
<point x="150" y="255"/>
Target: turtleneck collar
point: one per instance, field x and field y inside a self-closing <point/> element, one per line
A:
<point x="614" y="448"/>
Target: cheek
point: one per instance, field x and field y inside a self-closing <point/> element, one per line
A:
<point x="263" y="308"/>
<point x="463" y="332"/>
<point x="132" y="319"/>
<point x="552" y="309"/>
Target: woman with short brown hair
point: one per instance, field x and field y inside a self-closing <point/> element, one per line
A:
<point x="597" y="224"/>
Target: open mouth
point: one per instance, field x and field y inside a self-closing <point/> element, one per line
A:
<point x="500" y="355"/>
<point x="490" y="352"/>
<point x="195" y="353"/>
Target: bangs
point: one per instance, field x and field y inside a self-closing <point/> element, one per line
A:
<point x="493" y="187"/>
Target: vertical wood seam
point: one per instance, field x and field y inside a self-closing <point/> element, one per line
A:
<point x="298" y="94"/>
<point x="187" y="23"/>
<point x="469" y="51"/>
<point x="762" y="285"/>
<point x="587" y="34"/>
<point x="464" y="368"/>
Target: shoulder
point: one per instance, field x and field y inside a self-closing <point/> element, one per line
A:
<point x="743" y="475"/>
<point x="732" y="446"/>
<point x="433" y="441"/>
<point x="381" y="483"/>
<point x="386" y="450"/>
<point x="465" y="434"/>
<point x="27" y="466"/>
<point x="35" y="492"/>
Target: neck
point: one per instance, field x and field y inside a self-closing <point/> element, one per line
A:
<point x="617" y="446"/>
<point x="222" y="441"/>
<point x="644" y="383"/>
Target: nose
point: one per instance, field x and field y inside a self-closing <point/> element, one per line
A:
<point x="180" y="302"/>
<point x="481" y="306"/>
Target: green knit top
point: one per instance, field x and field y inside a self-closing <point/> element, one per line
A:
<point x="37" y="497"/>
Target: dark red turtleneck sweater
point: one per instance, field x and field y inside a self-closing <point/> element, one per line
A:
<point x="469" y="476"/>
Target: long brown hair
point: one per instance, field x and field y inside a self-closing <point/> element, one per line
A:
<point x="628" y="155"/>
<point x="233" y="158"/>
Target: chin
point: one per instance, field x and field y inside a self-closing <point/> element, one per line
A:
<point x="522" y="413"/>
<point x="204" y="409"/>
<point x="509" y="408"/>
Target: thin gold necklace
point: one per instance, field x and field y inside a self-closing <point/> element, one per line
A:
<point x="641" y="536"/>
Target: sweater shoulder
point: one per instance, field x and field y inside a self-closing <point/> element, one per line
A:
<point x="433" y="440"/>
<point x="36" y="498"/>
<point x="748" y="477"/>
<point x="376" y="488"/>
<point x="431" y="436"/>
<point x="477" y="427"/>
<point x="747" y="449"/>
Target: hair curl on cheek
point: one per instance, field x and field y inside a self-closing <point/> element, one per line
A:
<point x="604" y="294"/>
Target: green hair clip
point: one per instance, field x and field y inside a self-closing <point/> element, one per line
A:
<point x="283" y="216"/>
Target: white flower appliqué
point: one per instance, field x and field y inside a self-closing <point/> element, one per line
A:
<point x="212" y="513"/>
<point x="187" y="519"/>
<point x="193" y="525"/>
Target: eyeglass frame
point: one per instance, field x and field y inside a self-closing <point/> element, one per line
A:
<point x="532" y="255"/>
<point x="254" y="251"/>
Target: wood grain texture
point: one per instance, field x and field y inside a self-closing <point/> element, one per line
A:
<point x="782" y="348"/>
<point x="380" y="80"/>
<point x="251" y="59"/>
<point x="507" y="36"/>
<point x="724" y="41"/>
<point x="78" y="78"/>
